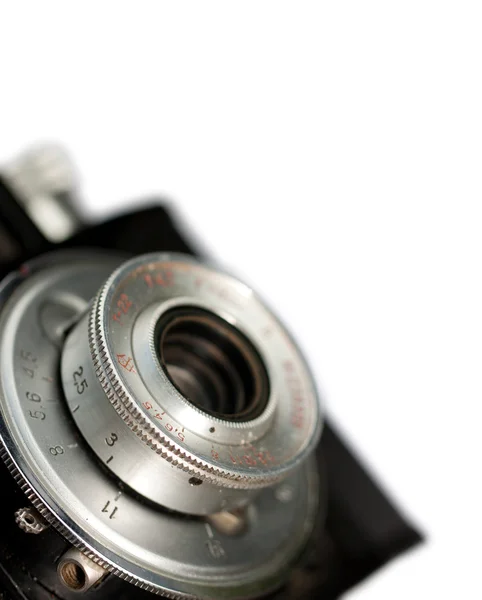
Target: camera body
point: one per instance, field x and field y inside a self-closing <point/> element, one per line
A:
<point x="342" y="527"/>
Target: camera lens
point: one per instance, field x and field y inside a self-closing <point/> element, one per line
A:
<point x="201" y="372"/>
<point x="212" y="364"/>
<point x="171" y="432"/>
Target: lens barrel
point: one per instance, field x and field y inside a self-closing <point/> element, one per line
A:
<point x="192" y="392"/>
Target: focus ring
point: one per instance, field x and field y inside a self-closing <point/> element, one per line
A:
<point x="162" y="322"/>
<point x="127" y="409"/>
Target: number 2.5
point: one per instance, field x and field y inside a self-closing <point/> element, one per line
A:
<point x="80" y="384"/>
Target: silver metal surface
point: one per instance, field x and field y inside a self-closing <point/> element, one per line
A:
<point x="78" y="572"/>
<point x="44" y="180"/>
<point x="110" y="369"/>
<point x="158" y="550"/>
<point x="229" y="522"/>
<point x="30" y="520"/>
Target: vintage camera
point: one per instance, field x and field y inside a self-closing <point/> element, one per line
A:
<point x="160" y="430"/>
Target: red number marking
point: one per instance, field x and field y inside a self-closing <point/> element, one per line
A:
<point x="294" y="385"/>
<point x="126" y="362"/>
<point x="253" y="458"/>
<point x="249" y="460"/>
<point x="164" y="278"/>
<point x="297" y="417"/>
<point x="123" y="305"/>
<point x="264" y="456"/>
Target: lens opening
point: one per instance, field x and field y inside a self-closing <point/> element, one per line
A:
<point x="212" y="364"/>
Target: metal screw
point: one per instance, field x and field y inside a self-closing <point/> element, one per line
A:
<point x="30" y="520"/>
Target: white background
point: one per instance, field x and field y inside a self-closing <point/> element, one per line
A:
<point x="330" y="154"/>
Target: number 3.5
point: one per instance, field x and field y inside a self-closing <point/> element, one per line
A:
<point x="80" y="384"/>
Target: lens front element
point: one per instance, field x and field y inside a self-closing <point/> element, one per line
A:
<point x="212" y="364"/>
